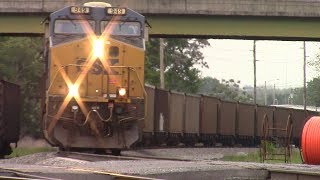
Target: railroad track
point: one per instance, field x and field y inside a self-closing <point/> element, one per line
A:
<point x="105" y="157"/>
<point x="273" y="173"/>
<point x="10" y="173"/>
<point x="14" y="174"/>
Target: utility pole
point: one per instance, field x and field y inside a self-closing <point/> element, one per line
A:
<point x="274" y="94"/>
<point x="275" y="101"/>
<point x="254" y="73"/>
<point x="161" y="63"/>
<point x="265" y="92"/>
<point x="304" y="77"/>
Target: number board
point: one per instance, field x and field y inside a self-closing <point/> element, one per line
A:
<point x="80" y="10"/>
<point x="116" y="11"/>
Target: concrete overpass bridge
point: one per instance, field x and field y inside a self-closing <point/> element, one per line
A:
<point x="243" y="19"/>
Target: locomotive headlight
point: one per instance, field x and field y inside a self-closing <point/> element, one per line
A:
<point x="98" y="48"/>
<point x="73" y="90"/>
<point x="122" y="91"/>
<point x="74" y="109"/>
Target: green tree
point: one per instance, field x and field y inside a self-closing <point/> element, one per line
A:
<point x="21" y="63"/>
<point x="313" y="95"/>
<point x="227" y="90"/>
<point x="297" y="96"/>
<point x="181" y="56"/>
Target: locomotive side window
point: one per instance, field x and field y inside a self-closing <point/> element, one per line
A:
<point x="73" y="26"/>
<point x="120" y="28"/>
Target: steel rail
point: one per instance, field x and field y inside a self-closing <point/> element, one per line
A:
<point x="102" y="157"/>
<point x="21" y="175"/>
<point x="296" y="172"/>
<point x="115" y="175"/>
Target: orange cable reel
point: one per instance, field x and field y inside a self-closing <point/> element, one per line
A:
<point x="310" y="141"/>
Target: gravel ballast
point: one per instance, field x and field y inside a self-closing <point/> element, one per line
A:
<point x="203" y="160"/>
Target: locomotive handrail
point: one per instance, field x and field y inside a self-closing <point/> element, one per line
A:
<point x="132" y="68"/>
<point x="144" y="92"/>
<point x="58" y="70"/>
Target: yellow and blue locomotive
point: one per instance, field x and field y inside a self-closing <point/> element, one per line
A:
<point x="94" y="81"/>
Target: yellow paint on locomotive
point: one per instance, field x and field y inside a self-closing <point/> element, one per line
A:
<point x="75" y="54"/>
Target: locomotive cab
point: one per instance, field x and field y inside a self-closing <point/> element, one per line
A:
<point x="95" y="77"/>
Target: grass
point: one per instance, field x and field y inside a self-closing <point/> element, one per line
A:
<point x="17" y="152"/>
<point x="271" y="149"/>
<point x="250" y="157"/>
<point x="255" y="157"/>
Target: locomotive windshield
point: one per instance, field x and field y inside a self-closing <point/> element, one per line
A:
<point x="120" y="28"/>
<point x="73" y="26"/>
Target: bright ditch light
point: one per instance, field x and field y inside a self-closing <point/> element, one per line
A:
<point x="73" y="90"/>
<point x="122" y="91"/>
<point x="98" y="48"/>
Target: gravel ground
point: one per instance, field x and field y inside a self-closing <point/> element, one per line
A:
<point x="205" y="160"/>
<point x="192" y="153"/>
<point x="181" y="153"/>
<point x="30" y="159"/>
<point x="30" y="142"/>
<point x="138" y="167"/>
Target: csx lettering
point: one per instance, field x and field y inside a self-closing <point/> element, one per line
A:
<point x="96" y="69"/>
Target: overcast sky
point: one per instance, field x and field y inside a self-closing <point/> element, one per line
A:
<point x="279" y="62"/>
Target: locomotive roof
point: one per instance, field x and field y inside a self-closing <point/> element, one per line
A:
<point x="97" y="13"/>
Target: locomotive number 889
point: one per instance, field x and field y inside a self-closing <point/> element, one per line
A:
<point x="94" y="94"/>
